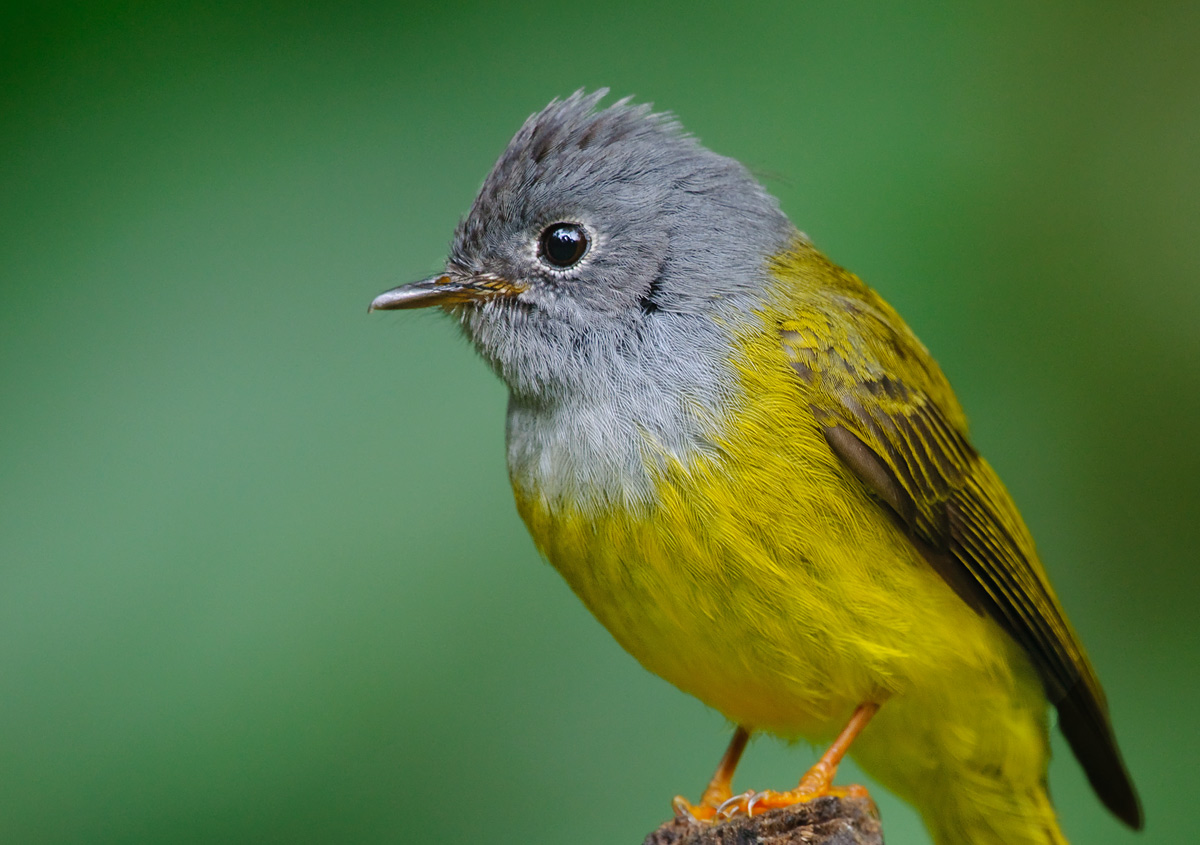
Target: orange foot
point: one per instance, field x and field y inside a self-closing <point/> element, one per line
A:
<point x="718" y="804"/>
<point x="756" y="803"/>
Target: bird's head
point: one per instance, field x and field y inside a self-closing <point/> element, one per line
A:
<point x="593" y="227"/>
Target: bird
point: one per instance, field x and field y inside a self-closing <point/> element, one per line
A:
<point x="757" y="478"/>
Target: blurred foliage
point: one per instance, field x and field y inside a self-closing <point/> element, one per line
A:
<point x="260" y="574"/>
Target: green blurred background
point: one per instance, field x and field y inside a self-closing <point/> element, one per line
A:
<point x="261" y="578"/>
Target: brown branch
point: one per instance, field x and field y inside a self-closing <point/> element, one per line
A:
<point x="825" y="821"/>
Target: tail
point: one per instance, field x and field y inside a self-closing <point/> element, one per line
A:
<point x="1086" y="726"/>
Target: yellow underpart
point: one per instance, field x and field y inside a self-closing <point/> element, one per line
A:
<point x="765" y="581"/>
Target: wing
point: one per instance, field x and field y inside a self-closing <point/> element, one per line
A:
<point x="889" y="414"/>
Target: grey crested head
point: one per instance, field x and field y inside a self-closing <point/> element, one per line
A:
<point x="594" y="227"/>
<point x="601" y="271"/>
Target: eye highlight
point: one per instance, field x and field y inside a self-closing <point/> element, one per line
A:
<point x="562" y="245"/>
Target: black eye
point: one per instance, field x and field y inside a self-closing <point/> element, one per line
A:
<point x="563" y="244"/>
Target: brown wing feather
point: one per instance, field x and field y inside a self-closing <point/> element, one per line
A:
<point x="905" y="438"/>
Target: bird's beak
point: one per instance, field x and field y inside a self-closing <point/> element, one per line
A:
<point x="446" y="289"/>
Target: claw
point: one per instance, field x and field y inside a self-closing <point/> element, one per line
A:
<point x="731" y="806"/>
<point x="683" y="809"/>
<point x="752" y="800"/>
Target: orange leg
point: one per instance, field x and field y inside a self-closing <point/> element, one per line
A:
<point x="720" y="787"/>
<point x="817" y="781"/>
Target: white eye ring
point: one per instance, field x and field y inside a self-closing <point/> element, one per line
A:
<point x="563" y="245"/>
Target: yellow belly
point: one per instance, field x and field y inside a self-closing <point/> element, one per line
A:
<point x="783" y="609"/>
